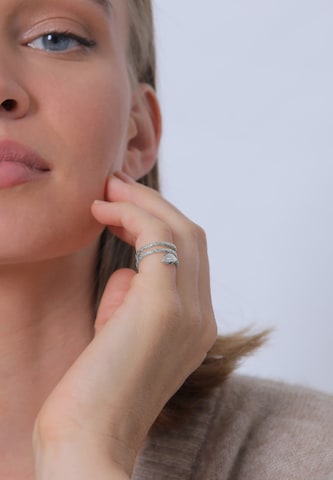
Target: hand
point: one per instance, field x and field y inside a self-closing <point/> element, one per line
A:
<point x="153" y="329"/>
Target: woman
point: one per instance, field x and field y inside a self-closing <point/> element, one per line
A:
<point x="91" y="351"/>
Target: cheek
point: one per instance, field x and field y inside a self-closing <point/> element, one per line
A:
<point x="82" y="130"/>
<point x="89" y="121"/>
<point x="92" y="125"/>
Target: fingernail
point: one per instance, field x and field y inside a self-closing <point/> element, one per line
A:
<point x="124" y="177"/>
<point x="99" y="202"/>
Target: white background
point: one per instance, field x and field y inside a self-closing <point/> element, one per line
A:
<point x="246" y="92"/>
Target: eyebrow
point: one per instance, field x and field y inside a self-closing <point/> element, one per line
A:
<point x="105" y="4"/>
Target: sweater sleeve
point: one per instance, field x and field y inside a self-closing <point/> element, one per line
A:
<point x="265" y="430"/>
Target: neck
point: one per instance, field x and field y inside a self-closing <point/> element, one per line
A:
<point x="46" y="321"/>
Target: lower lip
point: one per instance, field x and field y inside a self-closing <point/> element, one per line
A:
<point x="16" y="173"/>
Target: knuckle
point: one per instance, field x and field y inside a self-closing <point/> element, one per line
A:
<point x="195" y="232"/>
<point x="201" y="236"/>
<point x="211" y="333"/>
<point x="205" y="327"/>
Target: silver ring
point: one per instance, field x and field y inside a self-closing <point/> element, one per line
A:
<point x="172" y="246"/>
<point x="170" y="250"/>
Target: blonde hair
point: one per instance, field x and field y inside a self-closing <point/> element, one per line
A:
<point x="114" y="254"/>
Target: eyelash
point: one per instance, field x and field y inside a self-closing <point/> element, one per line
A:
<point x="82" y="41"/>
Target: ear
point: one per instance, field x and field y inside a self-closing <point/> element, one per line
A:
<point x="144" y="132"/>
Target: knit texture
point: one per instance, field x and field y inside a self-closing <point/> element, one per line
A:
<point x="249" y="429"/>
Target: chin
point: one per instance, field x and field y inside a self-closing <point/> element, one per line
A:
<point x="27" y="247"/>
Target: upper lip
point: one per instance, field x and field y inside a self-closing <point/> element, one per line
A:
<point x="12" y="151"/>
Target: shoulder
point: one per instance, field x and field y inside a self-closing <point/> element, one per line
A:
<point x="248" y="429"/>
<point x="265" y="429"/>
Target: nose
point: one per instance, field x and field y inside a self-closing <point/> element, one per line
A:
<point x="14" y="99"/>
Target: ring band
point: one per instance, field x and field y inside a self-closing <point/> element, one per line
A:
<point x="170" y="250"/>
<point x="172" y="246"/>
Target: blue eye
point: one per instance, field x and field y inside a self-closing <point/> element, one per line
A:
<point x="60" y="42"/>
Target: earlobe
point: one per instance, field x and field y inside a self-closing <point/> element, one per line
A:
<point x="144" y="132"/>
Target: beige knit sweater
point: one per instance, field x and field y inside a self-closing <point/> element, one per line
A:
<point x="250" y="429"/>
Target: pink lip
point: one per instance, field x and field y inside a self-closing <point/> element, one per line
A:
<point x="19" y="164"/>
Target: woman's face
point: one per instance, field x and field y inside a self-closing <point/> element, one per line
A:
<point x="65" y="93"/>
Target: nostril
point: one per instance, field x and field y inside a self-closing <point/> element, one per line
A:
<point x="9" y="105"/>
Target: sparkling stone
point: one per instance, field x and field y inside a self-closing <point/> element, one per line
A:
<point x="170" y="259"/>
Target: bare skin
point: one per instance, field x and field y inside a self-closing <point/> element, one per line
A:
<point x="152" y="330"/>
<point x="69" y="383"/>
<point x="36" y="348"/>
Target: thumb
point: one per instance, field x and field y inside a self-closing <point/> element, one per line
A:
<point x="114" y="294"/>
